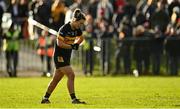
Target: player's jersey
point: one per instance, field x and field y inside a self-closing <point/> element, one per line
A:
<point x="62" y="56"/>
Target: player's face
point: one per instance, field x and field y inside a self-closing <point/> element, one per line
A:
<point x="79" y="23"/>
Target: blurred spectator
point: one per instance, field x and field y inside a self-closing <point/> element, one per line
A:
<point x="140" y="5"/>
<point x="2" y="10"/>
<point x="147" y="10"/>
<point x="68" y="2"/>
<point x="79" y="2"/>
<point x="118" y="6"/>
<point x="172" y="42"/>
<point x="58" y="11"/>
<point x="1" y="15"/>
<point x="139" y="18"/>
<point x="159" y="21"/>
<point x="129" y="10"/>
<point x="147" y="7"/>
<point x="33" y="7"/>
<point x="105" y="33"/>
<point x="126" y="8"/>
<point x="88" y="51"/>
<point x="1" y="42"/>
<point x="13" y="9"/>
<point x="173" y="51"/>
<point x="142" y="49"/>
<point x="43" y="13"/>
<point x="123" y="22"/>
<point x="45" y="48"/>
<point x="12" y="49"/>
<point x="123" y="51"/>
<point x="23" y="14"/>
<point x="174" y="3"/>
<point x="105" y="10"/>
<point x="92" y="9"/>
<point x="19" y="13"/>
<point x="3" y="5"/>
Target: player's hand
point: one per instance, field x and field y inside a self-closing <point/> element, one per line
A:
<point x="75" y="46"/>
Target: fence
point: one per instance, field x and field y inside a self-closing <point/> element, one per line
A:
<point x="103" y="61"/>
<point x="29" y="61"/>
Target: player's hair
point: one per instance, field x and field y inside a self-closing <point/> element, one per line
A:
<point x="78" y="15"/>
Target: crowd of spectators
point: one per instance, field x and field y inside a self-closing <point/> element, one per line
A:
<point x="142" y="30"/>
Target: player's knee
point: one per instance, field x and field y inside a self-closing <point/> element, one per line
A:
<point x="71" y="76"/>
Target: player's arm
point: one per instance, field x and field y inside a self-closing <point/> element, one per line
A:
<point x="79" y="39"/>
<point x="61" y="44"/>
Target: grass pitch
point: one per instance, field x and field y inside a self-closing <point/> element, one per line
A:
<point x="98" y="92"/>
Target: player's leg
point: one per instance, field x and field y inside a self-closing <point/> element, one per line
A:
<point x="42" y="57"/>
<point x="57" y="77"/>
<point x="8" y="63"/>
<point x="15" y="63"/>
<point x="52" y="85"/>
<point x="67" y="70"/>
<point x="49" y="64"/>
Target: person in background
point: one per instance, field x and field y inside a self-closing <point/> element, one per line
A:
<point x="172" y="42"/>
<point x="14" y="10"/>
<point x="3" y="5"/>
<point x="58" y="10"/>
<point x="172" y="5"/>
<point x="88" y="51"/>
<point x="1" y="15"/>
<point x="158" y="22"/>
<point x="92" y="8"/>
<point x="142" y="49"/>
<point x="12" y="49"/>
<point x="124" y="49"/>
<point x="43" y="13"/>
<point x="19" y="12"/>
<point x="50" y="40"/>
<point x="105" y="10"/>
<point x="124" y="32"/>
<point x="104" y="35"/>
<point x="119" y="12"/>
<point x="23" y="15"/>
<point x="87" y="48"/>
<point x="45" y="51"/>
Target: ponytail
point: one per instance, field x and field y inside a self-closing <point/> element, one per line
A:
<point x="78" y="15"/>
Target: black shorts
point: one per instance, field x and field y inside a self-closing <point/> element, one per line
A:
<point x="62" y="57"/>
<point x="61" y="61"/>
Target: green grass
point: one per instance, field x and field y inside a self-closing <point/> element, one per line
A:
<point x="98" y="92"/>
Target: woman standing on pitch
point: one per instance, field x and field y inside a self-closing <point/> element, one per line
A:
<point x="69" y="37"/>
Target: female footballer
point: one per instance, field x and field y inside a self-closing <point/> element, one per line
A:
<point x="69" y="37"/>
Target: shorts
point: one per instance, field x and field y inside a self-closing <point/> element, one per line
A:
<point x="61" y="61"/>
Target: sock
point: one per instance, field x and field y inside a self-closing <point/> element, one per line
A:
<point x="73" y="96"/>
<point x="47" y="95"/>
